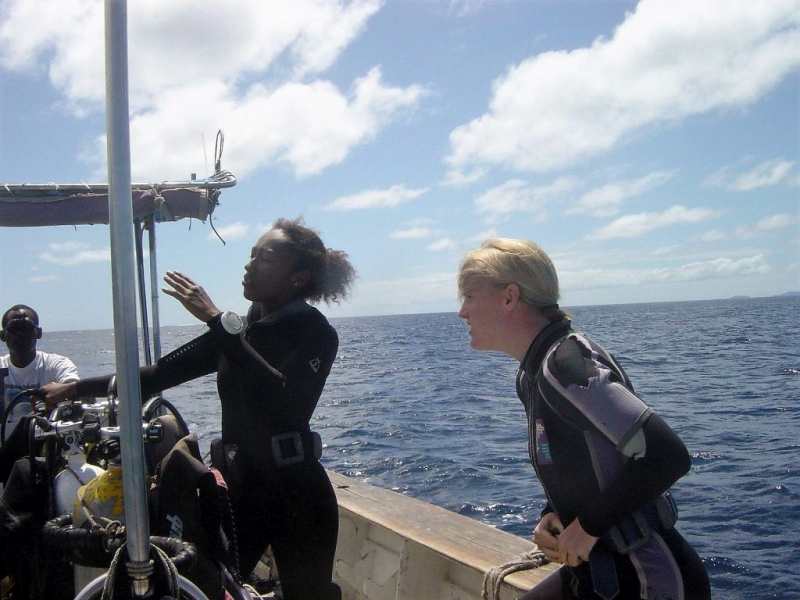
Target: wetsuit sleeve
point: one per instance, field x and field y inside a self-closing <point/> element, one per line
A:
<point x="641" y="479"/>
<point x="583" y="388"/>
<point x="192" y="360"/>
<point x="239" y="350"/>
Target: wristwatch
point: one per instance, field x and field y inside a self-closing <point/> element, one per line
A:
<point x="231" y="322"/>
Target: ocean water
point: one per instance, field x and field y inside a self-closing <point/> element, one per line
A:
<point x="410" y="407"/>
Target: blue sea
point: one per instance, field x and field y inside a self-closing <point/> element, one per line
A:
<point x="410" y="407"/>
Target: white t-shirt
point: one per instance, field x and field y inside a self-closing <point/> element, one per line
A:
<point x="44" y="368"/>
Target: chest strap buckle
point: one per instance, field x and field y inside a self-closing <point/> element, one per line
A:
<point x="634" y="530"/>
<point x="288" y="448"/>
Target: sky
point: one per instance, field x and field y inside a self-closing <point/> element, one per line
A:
<point x="651" y="148"/>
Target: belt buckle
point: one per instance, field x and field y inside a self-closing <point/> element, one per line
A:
<point x="624" y="543"/>
<point x="278" y="444"/>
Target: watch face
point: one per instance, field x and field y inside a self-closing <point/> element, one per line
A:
<point x="231" y="322"/>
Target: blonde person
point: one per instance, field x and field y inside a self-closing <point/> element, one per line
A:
<point x="604" y="458"/>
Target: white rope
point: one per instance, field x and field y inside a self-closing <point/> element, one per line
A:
<point x="167" y="569"/>
<point x="494" y="577"/>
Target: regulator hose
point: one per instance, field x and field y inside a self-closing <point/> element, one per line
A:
<point x="151" y="406"/>
<point x="18" y="399"/>
<point x="96" y="547"/>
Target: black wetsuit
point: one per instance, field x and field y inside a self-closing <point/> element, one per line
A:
<point x="269" y="385"/>
<point x="602" y="455"/>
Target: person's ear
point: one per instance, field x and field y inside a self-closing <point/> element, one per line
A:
<point x="2" y="335"/>
<point x="511" y="295"/>
<point x="38" y="333"/>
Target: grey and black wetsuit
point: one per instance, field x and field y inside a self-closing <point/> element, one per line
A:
<point x="269" y="381"/>
<point x="605" y="458"/>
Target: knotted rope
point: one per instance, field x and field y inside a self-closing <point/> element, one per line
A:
<point x="533" y="559"/>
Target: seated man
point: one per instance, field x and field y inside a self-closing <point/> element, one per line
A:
<point x="24" y="366"/>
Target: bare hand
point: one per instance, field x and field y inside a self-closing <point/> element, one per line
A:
<point x="545" y="536"/>
<point x="53" y="393"/>
<point x="193" y="297"/>
<point x="574" y="544"/>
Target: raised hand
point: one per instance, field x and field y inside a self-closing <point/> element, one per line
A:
<point x="193" y="297"/>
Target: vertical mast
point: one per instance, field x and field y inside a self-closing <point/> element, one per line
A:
<point x="151" y="230"/>
<point x="123" y="277"/>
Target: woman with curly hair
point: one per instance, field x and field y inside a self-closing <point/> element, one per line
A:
<point x="271" y="370"/>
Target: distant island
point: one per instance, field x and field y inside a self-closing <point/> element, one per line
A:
<point x="783" y="295"/>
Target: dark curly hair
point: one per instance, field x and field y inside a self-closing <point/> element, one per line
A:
<point x="332" y="274"/>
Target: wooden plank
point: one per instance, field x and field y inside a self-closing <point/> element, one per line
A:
<point x="455" y="536"/>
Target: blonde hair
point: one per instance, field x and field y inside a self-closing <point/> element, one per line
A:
<point x="501" y="261"/>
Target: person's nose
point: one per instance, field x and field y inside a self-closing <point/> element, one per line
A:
<point x="462" y="312"/>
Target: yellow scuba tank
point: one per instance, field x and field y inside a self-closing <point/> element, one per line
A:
<point x="102" y="498"/>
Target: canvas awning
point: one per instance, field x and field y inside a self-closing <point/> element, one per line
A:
<point x="35" y="206"/>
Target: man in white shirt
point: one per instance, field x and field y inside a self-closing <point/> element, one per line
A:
<point x="24" y="366"/>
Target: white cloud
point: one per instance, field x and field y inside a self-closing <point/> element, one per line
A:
<point x="306" y="126"/>
<point x="767" y="224"/>
<point x="665" y="62"/>
<point x="631" y="226"/>
<point x="43" y="278"/>
<point x="249" y="37"/>
<point x="665" y="250"/>
<point x="778" y="221"/>
<point x="605" y="201"/>
<point x="442" y="244"/>
<point x="517" y="195"/>
<point x="387" y="198"/>
<point x="765" y="174"/>
<point x="411" y="233"/>
<point x="232" y="232"/>
<point x="251" y="77"/>
<point x="70" y="254"/>
<point x="67" y="246"/>
<point x="457" y="178"/>
<point x="713" y="235"/>
<point x="422" y="292"/>
<point x="464" y="8"/>
<point x="718" y="268"/>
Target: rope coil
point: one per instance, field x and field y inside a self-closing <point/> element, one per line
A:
<point x="161" y="563"/>
<point x="494" y="577"/>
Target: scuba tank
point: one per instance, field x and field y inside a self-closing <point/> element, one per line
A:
<point x="73" y="476"/>
<point x="102" y="500"/>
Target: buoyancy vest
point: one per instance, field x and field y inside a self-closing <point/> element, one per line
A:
<point x="582" y="415"/>
<point x="187" y="504"/>
<point x="585" y="422"/>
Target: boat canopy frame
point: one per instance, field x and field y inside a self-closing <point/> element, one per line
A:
<point x="54" y="204"/>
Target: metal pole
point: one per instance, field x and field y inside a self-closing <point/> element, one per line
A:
<point x="123" y="276"/>
<point x="151" y="231"/>
<point x="138" y="232"/>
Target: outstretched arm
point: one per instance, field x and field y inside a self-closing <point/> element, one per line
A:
<point x="194" y="359"/>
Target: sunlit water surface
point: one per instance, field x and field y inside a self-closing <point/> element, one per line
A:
<point x="408" y="406"/>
